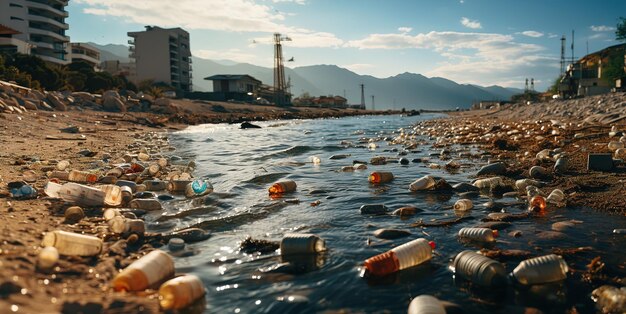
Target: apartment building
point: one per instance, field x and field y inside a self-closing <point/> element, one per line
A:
<point x="162" y="55"/>
<point x="41" y="23"/>
<point x="86" y="53"/>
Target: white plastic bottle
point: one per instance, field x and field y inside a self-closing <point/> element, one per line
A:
<point x="478" y="234"/>
<point x="463" y="205"/>
<point x="180" y="292"/>
<point x="542" y="269"/>
<point x="69" y="243"/>
<point x="145" y="272"/>
<point x="401" y="257"/>
<point x="301" y="243"/>
<point x="423" y="183"/>
<point x="478" y="269"/>
<point x="426" y="304"/>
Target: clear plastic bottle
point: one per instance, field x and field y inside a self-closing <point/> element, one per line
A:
<point x="198" y="188"/>
<point x="378" y="177"/>
<point x="82" y="177"/>
<point x="542" y="269"/>
<point x="523" y="183"/>
<point x="180" y="292"/>
<point x="488" y="182"/>
<point x="614" y="145"/>
<point x="401" y="257"/>
<point x="113" y="195"/>
<point x="347" y="169"/>
<point x="463" y="205"/>
<point x="121" y="225"/>
<point x="301" y="243"/>
<point x="537" y="204"/>
<point x="285" y="186"/>
<point x="145" y="272"/>
<point x="145" y="204"/>
<point x="177" y="186"/>
<point x="426" y="304"/>
<point x="423" y="183"/>
<point x="69" y="243"/>
<point x="556" y="197"/>
<point x="478" y="269"/>
<point x="77" y="193"/>
<point x="478" y="234"/>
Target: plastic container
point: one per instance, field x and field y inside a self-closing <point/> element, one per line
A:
<point x="74" y="214"/>
<point x="145" y="204"/>
<point x="359" y="166"/>
<point x="301" y="243"/>
<point x="113" y="195"/>
<point x="478" y="234"/>
<point x="523" y="183"/>
<point x="285" y="186"/>
<point x="121" y="225"/>
<point x="488" y="182"/>
<point x="82" y="177"/>
<point x="145" y="272"/>
<point x="76" y="193"/>
<point x="537" y="204"/>
<point x="180" y="292"/>
<point x="111" y="213"/>
<point x="426" y="304"/>
<point x="556" y="197"/>
<point x="155" y="185"/>
<point x="177" y="186"/>
<point x="613" y="145"/>
<point x="47" y="258"/>
<point x="127" y="194"/>
<point x="131" y="184"/>
<point x="198" y="188"/>
<point x="69" y="243"/>
<point x="176" y="244"/>
<point x="542" y="269"/>
<point x="478" y="269"/>
<point x="347" y="169"/>
<point x="423" y="183"/>
<point x="463" y="205"/>
<point x="24" y="191"/>
<point x="378" y="177"/>
<point x="401" y="257"/>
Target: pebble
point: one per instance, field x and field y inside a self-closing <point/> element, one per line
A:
<point x="374" y="209"/>
<point x="465" y="187"/>
<point x="406" y="211"/>
<point x="74" y="214"/>
<point x="496" y="168"/>
<point x="515" y="233"/>
<point x="390" y="234"/>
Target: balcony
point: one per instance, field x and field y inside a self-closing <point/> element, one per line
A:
<point x="132" y="55"/>
<point x="52" y="59"/>
<point x="131" y="42"/>
<point x="131" y="48"/>
<point x="37" y="5"/>
<point x="41" y="44"/>
<point x="43" y="32"/>
<point x="47" y="20"/>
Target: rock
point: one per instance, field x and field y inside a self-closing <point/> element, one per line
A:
<point x="390" y="234"/>
<point x="189" y="235"/>
<point x="515" y="233"/>
<point x="83" y="96"/>
<point x="374" y="209"/>
<point x="405" y="211"/>
<point x="248" y="125"/>
<point x="113" y="104"/>
<point x="56" y="102"/>
<point x="30" y="105"/>
<point x="496" y="168"/>
<point x="464" y="187"/>
<point x="562" y="226"/>
<point x="538" y="172"/>
<point x="550" y="235"/>
<point x="495" y="225"/>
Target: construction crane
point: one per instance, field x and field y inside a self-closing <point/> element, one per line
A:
<point x="281" y="94"/>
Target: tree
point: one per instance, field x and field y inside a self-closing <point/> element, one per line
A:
<point x="614" y="69"/>
<point x="620" y="32"/>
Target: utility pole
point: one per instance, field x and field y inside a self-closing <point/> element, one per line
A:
<point x="362" y="96"/>
<point x="280" y="86"/>
<point x="373" y="103"/>
<point x="562" y="55"/>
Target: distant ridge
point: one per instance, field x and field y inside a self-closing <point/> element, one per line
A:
<point x="405" y="90"/>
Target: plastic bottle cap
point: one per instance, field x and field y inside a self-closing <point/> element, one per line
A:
<point x="495" y="233"/>
<point x="176" y="244"/>
<point x="432" y="244"/>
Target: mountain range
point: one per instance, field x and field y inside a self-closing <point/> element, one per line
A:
<point x="406" y="90"/>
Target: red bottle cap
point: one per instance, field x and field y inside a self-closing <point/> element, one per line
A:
<point x="432" y="244"/>
<point x="495" y="233"/>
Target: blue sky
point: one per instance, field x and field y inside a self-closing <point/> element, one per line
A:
<point x="468" y="41"/>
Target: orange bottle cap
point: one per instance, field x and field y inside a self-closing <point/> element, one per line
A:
<point x="495" y="233"/>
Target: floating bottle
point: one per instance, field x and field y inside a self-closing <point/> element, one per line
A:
<point x="423" y="183"/>
<point x="488" y="182"/>
<point x="378" y="177"/>
<point x="180" y="292"/>
<point x="301" y="243"/>
<point x="153" y="169"/>
<point x="537" y="204"/>
<point x="401" y="257"/>
<point x="426" y="304"/>
<point x="359" y="166"/>
<point x="347" y="169"/>
<point x="478" y="234"/>
<point x="542" y="269"/>
<point x="121" y="225"/>
<point x="463" y="205"/>
<point x="285" y="186"/>
<point x="145" y="204"/>
<point x="478" y="269"/>
<point x="177" y="186"/>
<point x="198" y="188"/>
<point x="145" y="272"/>
<point x="82" y="177"/>
<point x="69" y="243"/>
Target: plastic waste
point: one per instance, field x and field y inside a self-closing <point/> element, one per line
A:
<point x="401" y="257"/>
<point x="488" y="182"/>
<point x="523" y="183"/>
<point x="69" y="243"/>
<point x="82" y="177"/>
<point x="145" y="272"/>
<point x="180" y="292"/>
<point x="47" y="258"/>
<point x="610" y="299"/>
<point x="145" y="204"/>
<point x="62" y="165"/>
<point x="347" y="169"/>
<point x="112" y="195"/>
<point x="61" y="175"/>
<point x="426" y="304"/>
<point x="127" y="194"/>
<point x="542" y="269"/>
<point x="561" y="165"/>
<point x="423" y="183"/>
<point x="155" y="185"/>
<point x="280" y="187"/>
<point x="301" y="243"/>
<point x="556" y="197"/>
<point x="478" y="269"/>
<point x="120" y="225"/>
<point x="463" y="205"/>
<point x="378" y="177"/>
<point x="537" y="204"/>
<point x="359" y="166"/>
<point x="198" y="188"/>
<point x="537" y="172"/>
<point x="74" y="214"/>
<point x="177" y="186"/>
<point x="614" y="145"/>
<point x="176" y="244"/>
<point x="21" y="190"/>
<point x="478" y="234"/>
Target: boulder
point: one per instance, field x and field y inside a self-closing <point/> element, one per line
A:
<point x="29" y="105"/>
<point x="56" y="103"/>
<point x="111" y="94"/>
<point x="113" y="104"/>
<point x="83" y="96"/>
<point x="162" y="102"/>
<point x="36" y="94"/>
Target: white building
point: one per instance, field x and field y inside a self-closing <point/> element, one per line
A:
<point x="40" y="23"/>
<point x="10" y="44"/>
<point x="162" y="55"/>
<point x="87" y="53"/>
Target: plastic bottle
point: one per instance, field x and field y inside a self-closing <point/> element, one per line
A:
<point x="537" y="204"/>
<point x="610" y="299"/>
<point x="24" y="191"/>
<point x="556" y="197"/>
<point x="73" y="214"/>
<point x="180" y="292"/>
<point x="153" y="169"/>
<point x="285" y="186"/>
<point x="401" y="257"/>
<point x="426" y="304"/>
<point x="478" y="269"/>
<point x="131" y="184"/>
<point x="523" y="183"/>
<point x="378" y="177"/>
<point x="155" y="185"/>
<point x="61" y="175"/>
<point x="347" y="169"/>
<point x="113" y="195"/>
<point x="198" y="188"/>
<point x="542" y="269"/>
<point x="79" y="194"/>
<point x="463" y="205"/>
<point x="147" y="271"/>
<point x="62" y="165"/>
<point x="177" y="186"/>
<point x="613" y="145"/>
<point x="358" y="166"/>
<point x="301" y="243"/>
<point x="47" y="258"/>
<point x="127" y="194"/>
<point x="82" y="177"/>
<point x="488" y="182"/>
<point x="121" y="225"/>
<point x="316" y="160"/>
<point x="423" y="183"/>
<point x="478" y="234"/>
<point x="145" y="204"/>
<point x="69" y="243"/>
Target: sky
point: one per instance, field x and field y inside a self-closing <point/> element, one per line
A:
<point x="497" y="42"/>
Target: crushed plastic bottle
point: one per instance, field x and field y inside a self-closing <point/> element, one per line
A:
<point x="478" y="234"/>
<point x="478" y="269"/>
<point x="423" y="183"/>
<point x="198" y="188"/>
<point x="145" y="272"/>
<point x="285" y="186"/>
<point x="378" y="177"/>
<point x="301" y="243"/>
<point x="401" y="257"/>
<point x="180" y="292"/>
<point x="610" y="299"/>
<point x="488" y="182"/>
<point x="69" y="243"/>
<point x="463" y="205"/>
<point x="21" y="191"/>
<point x="542" y="269"/>
<point x="426" y="304"/>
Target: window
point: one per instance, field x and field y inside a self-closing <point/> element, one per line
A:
<point x="15" y="5"/>
<point x="16" y="18"/>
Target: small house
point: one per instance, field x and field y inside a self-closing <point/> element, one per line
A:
<point x="234" y="83"/>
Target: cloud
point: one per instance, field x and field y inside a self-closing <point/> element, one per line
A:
<point x="230" y="54"/>
<point x="550" y="35"/>
<point x="217" y="15"/>
<point x="601" y="28"/>
<point x="470" y="24"/>
<point x="534" y="34"/>
<point x="597" y="36"/>
<point x="461" y="1"/>
<point x="405" y="29"/>
<point x="301" y="2"/>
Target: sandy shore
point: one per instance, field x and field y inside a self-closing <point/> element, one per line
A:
<point x="33" y="140"/>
